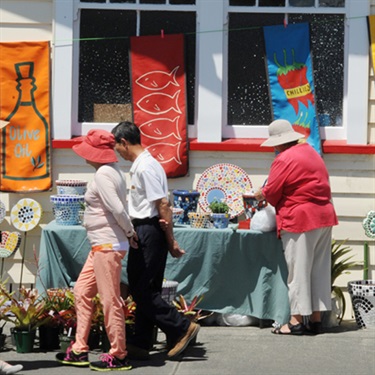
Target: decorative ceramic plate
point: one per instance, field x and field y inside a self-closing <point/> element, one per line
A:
<point x="10" y="242"/>
<point x="223" y="182"/>
<point x="2" y="211"/>
<point x="26" y="214"/>
<point x="369" y="224"/>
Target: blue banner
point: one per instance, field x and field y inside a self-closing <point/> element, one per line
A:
<point x="291" y="78"/>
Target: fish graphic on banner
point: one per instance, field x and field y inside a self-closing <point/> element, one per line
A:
<point x="159" y="102"/>
<point x="291" y="81"/>
<point x="25" y="103"/>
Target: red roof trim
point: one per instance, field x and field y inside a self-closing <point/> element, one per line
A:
<point x="251" y="145"/>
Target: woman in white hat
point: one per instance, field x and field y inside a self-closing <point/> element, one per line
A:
<point x="298" y="187"/>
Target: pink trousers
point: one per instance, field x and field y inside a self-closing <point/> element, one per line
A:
<point x="101" y="274"/>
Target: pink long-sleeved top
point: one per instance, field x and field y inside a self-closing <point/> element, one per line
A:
<point x="106" y="216"/>
<point x="298" y="187"/>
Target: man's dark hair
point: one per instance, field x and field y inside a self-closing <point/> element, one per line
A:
<point x="128" y="131"/>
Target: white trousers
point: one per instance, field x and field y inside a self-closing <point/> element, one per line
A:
<point x="308" y="257"/>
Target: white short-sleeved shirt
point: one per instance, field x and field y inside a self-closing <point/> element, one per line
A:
<point x="148" y="184"/>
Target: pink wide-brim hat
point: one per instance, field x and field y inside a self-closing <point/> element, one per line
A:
<point x="97" y="146"/>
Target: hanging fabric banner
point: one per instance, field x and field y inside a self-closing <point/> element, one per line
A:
<point x="25" y="103"/>
<point x="159" y="102"/>
<point x="371" y="24"/>
<point x="290" y="77"/>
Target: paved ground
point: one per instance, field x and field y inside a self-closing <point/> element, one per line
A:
<point x="344" y="350"/>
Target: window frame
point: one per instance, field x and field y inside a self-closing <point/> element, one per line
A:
<point x="211" y="56"/>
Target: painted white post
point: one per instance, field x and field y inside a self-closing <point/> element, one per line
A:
<point x="62" y="70"/>
<point x="209" y="75"/>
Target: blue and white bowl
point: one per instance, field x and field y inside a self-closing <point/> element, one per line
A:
<point x="66" y="208"/>
<point x="71" y="187"/>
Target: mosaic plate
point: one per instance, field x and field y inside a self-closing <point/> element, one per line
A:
<point x="369" y="224"/>
<point x="223" y="182"/>
<point x="26" y="214"/>
<point x="10" y="242"/>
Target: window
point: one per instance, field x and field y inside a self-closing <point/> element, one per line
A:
<point x="226" y="76"/>
<point x="248" y="92"/>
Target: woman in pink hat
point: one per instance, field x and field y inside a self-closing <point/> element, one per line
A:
<point x="109" y="230"/>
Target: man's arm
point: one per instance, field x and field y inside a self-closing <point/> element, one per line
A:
<point x="165" y="214"/>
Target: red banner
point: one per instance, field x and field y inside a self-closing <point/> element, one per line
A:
<point x="159" y="102"/>
<point x="25" y="103"/>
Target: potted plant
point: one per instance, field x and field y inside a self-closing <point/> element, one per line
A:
<point x="339" y="266"/>
<point x="3" y="301"/>
<point x="57" y="306"/>
<point x="97" y="324"/>
<point x="26" y="313"/>
<point x="220" y="213"/>
<point x="190" y="311"/>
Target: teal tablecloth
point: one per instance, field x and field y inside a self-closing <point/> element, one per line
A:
<point x="241" y="272"/>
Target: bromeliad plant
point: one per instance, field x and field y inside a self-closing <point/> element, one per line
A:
<point x="190" y="311"/>
<point x="129" y="310"/>
<point x="26" y="311"/>
<point x="59" y="308"/>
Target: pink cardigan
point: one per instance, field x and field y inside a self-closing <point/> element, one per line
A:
<point x="298" y="187"/>
<point x="106" y="216"/>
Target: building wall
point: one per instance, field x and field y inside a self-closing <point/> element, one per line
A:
<point x="352" y="176"/>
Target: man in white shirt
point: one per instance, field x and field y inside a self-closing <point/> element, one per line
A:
<point x="148" y="203"/>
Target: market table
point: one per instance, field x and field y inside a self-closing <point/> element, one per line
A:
<point x="238" y="271"/>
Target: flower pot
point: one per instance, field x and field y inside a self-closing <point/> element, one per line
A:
<point x="220" y="221"/>
<point x="188" y="201"/>
<point x="169" y="290"/>
<point x="49" y="337"/>
<point x="24" y="341"/>
<point x="94" y="339"/>
<point x="105" y="345"/>
<point x="2" y="341"/>
<point x="65" y="342"/>
<point x="199" y="220"/>
<point x="362" y="294"/>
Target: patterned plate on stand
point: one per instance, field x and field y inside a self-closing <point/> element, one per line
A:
<point x="26" y="214"/>
<point x="223" y="182"/>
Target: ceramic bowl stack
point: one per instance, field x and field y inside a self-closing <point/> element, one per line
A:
<point x="69" y="201"/>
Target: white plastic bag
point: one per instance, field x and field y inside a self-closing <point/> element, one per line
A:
<point x="264" y="220"/>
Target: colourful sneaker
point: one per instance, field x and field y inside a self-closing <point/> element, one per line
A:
<point x="72" y="358"/>
<point x="110" y="363"/>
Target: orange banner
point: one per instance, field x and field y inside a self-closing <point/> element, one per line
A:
<point x="25" y="103"/>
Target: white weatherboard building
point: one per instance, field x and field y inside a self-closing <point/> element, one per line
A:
<point x="227" y="94"/>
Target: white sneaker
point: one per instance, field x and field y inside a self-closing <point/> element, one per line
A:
<point x="6" y="368"/>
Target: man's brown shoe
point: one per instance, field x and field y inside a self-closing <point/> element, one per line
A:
<point x="184" y="340"/>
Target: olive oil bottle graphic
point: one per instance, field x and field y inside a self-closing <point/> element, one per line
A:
<point x="27" y="138"/>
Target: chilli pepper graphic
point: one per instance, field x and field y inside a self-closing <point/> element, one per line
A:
<point x="301" y="126"/>
<point x="293" y="80"/>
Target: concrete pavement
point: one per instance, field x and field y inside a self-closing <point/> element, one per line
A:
<point x="344" y="350"/>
